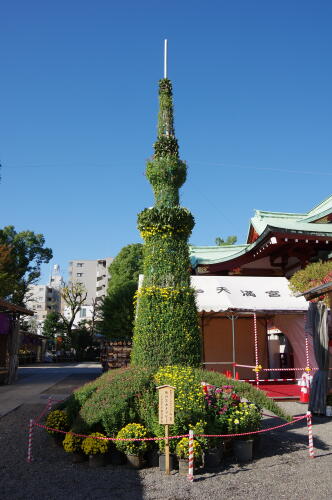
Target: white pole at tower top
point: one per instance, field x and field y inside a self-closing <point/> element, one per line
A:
<point x="165" y="59"/>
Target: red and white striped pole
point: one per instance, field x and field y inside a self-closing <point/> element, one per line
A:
<point x="49" y="404"/>
<point x="307" y="351"/>
<point x="29" y="457"/>
<point x="256" y="350"/>
<point x="191" y="456"/>
<point x="311" y="442"/>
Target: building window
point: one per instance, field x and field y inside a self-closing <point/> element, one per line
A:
<point x="79" y="264"/>
<point x="79" y="274"/>
<point x="83" y="313"/>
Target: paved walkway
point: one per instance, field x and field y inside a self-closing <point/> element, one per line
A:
<point x="35" y="382"/>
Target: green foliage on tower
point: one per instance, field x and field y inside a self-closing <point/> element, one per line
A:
<point x="166" y="328"/>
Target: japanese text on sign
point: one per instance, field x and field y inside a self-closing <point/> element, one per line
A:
<point x="166" y="405"/>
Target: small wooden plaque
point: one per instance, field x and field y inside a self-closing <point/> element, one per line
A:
<point x="166" y="404"/>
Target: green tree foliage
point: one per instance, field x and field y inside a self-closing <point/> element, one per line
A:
<point x="126" y="266"/>
<point x="81" y="339"/>
<point x="231" y="240"/>
<point x="312" y="275"/>
<point x="166" y="328"/>
<point x="53" y="325"/>
<point x="7" y="279"/>
<point x="21" y="263"/>
<point x="117" y="309"/>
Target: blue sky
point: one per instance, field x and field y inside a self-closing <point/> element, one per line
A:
<point x="78" y="97"/>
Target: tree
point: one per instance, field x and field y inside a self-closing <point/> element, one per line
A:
<point x="7" y="281"/>
<point x="81" y="339"/>
<point x="117" y="309"/>
<point x="166" y="326"/>
<point x="53" y="324"/>
<point x="74" y="297"/>
<point x="126" y="266"/>
<point x="231" y="240"/>
<point x="24" y="255"/>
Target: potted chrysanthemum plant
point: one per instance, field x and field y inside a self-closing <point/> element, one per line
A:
<point x="95" y="446"/>
<point x="131" y="441"/>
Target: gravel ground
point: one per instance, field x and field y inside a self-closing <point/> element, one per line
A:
<point x="281" y="469"/>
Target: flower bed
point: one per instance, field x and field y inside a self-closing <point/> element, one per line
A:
<point x="210" y="407"/>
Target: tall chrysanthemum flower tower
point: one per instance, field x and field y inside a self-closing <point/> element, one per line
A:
<point x="166" y="326"/>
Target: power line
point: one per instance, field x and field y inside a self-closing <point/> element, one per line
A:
<point x="268" y="169"/>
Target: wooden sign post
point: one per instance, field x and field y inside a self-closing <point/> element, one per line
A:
<point x="166" y="416"/>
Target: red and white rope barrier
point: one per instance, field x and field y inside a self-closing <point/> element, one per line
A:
<point x="33" y="423"/>
<point x="270" y="379"/>
<point x="191" y="456"/>
<point x="106" y="438"/>
<point x="297" y="419"/>
<point x="310" y="437"/>
<point x="29" y="457"/>
<point x="286" y="369"/>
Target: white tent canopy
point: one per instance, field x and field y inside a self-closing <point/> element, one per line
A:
<point x="245" y="293"/>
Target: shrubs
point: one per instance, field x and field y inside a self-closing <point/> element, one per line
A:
<point x="130" y="396"/>
<point x="93" y="446"/>
<point x="132" y="447"/>
<point x="72" y="443"/>
<point x="182" y="449"/>
<point x="115" y="403"/>
<point x="57" y="419"/>
<point x="246" y="417"/>
<point x="314" y="274"/>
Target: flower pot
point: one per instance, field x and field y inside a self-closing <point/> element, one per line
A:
<point x="117" y="457"/>
<point x="183" y="466"/>
<point x="77" y="457"/>
<point x="257" y="444"/>
<point x="152" y="458"/>
<point x="162" y="461"/>
<point x="243" y="449"/>
<point x="96" y="460"/>
<point x="213" y="457"/>
<point x="227" y="446"/>
<point x="136" y="461"/>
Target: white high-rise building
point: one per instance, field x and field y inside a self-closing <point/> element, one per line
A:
<point x="93" y="275"/>
<point x="43" y="299"/>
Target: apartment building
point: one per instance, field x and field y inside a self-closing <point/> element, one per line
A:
<point x="43" y="299"/>
<point x="92" y="274"/>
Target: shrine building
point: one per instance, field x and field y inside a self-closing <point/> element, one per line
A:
<point x="278" y="244"/>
